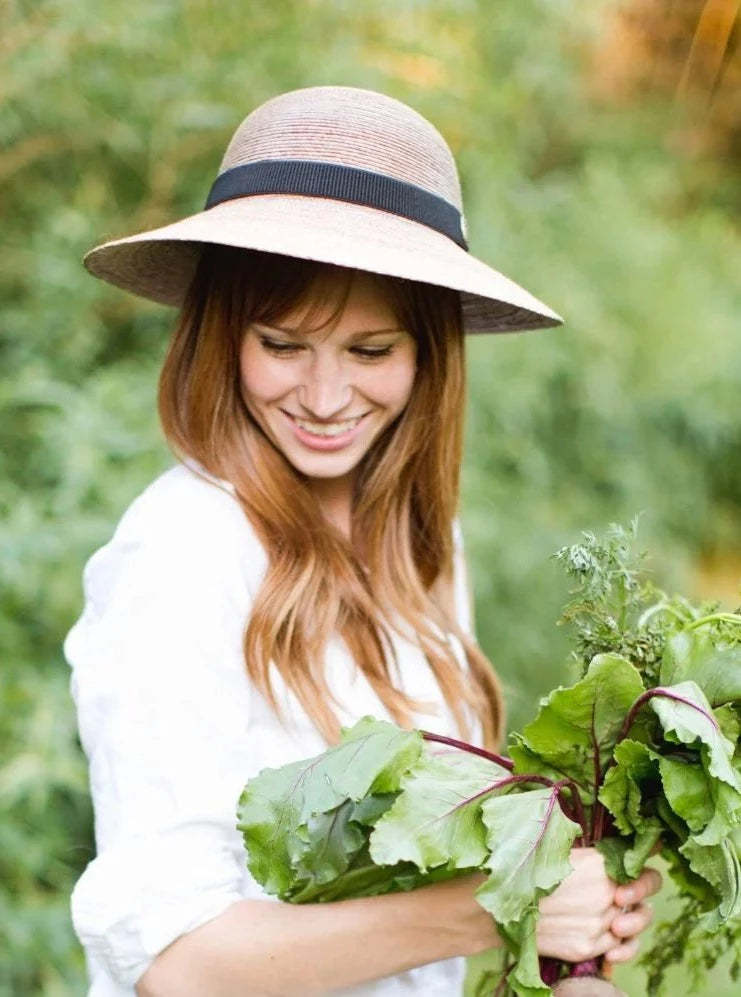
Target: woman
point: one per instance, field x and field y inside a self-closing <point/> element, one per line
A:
<point x="301" y="566"/>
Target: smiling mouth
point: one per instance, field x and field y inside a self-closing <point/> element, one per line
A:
<point x="327" y="429"/>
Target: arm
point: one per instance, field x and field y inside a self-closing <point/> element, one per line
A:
<point x="281" y="950"/>
<point x="166" y="720"/>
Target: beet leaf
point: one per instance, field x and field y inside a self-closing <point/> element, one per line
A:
<point x="436" y="820"/>
<point x="643" y="753"/>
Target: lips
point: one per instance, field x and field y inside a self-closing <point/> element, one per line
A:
<point x="325" y="436"/>
<point x="327" y="428"/>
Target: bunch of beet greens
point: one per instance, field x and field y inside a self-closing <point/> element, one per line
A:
<point x="640" y="755"/>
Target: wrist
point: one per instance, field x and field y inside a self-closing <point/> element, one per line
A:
<point x="453" y="912"/>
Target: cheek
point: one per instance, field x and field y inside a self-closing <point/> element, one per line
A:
<point x="263" y="379"/>
<point x="391" y="386"/>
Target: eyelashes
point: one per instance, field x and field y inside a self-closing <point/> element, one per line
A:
<point x="372" y="353"/>
<point x="280" y="348"/>
<point x="292" y="349"/>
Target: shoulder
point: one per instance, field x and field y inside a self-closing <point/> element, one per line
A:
<point x="187" y="510"/>
<point x="184" y="529"/>
<point x="185" y="503"/>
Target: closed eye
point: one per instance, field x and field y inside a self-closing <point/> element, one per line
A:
<point x="280" y="348"/>
<point x="372" y="353"/>
<point x="283" y="349"/>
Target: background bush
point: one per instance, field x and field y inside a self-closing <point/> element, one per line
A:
<point x="585" y="178"/>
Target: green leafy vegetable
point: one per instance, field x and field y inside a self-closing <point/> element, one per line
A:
<point x="640" y="753"/>
<point x="305" y="821"/>
<point x="695" y="655"/>
<point x="687" y="718"/>
<point x="576" y="728"/>
<point x="529" y="840"/>
<point x="435" y="820"/>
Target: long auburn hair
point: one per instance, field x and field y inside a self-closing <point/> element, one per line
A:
<point x="404" y="503"/>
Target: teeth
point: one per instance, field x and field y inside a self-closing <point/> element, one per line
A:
<point x="325" y="429"/>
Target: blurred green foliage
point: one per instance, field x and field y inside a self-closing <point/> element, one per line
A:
<point x="114" y="119"/>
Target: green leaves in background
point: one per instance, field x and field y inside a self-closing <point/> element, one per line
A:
<point x="596" y="200"/>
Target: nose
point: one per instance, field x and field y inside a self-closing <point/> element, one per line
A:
<point x="325" y="391"/>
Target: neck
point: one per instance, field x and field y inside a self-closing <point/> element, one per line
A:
<point x="334" y="496"/>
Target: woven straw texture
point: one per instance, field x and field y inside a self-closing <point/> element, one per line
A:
<point x="348" y="126"/>
<point x="331" y="125"/>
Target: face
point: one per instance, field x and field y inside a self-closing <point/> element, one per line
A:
<point x="325" y="395"/>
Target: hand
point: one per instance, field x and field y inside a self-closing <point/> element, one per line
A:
<point x="634" y="914"/>
<point x="584" y="917"/>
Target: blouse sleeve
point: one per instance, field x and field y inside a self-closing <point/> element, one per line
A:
<point x="163" y="709"/>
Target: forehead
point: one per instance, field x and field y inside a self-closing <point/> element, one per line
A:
<point x="342" y="302"/>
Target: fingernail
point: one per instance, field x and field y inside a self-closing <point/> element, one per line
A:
<point x="629" y="896"/>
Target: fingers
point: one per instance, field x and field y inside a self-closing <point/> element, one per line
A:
<point x="588" y="915"/>
<point x="625" y="929"/>
<point x="622" y="953"/>
<point x="607" y="943"/>
<point x="648" y="883"/>
<point x="633" y="922"/>
<point x="608" y="917"/>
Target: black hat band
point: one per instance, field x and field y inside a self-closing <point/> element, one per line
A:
<point x="340" y="183"/>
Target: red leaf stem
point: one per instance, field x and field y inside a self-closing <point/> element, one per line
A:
<point x="502" y="985"/>
<point x="665" y="694"/>
<point x="510" y="780"/>
<point x="541" y="780"/>
<point x="550" y="970"/>
<point x="596" y="816"/>
<point x="659" y="691"/>
<point x="553" y="970"/>
<point x="577" y="808"/>
<point x="452" y="742"/>
<point x="575" y="811"/>
<point x="591" y="967"/>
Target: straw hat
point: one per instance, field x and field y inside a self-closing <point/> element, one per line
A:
<point x="340" y="175"/>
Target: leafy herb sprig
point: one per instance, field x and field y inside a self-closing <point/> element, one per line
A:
<point x="615" y="608"/>
<point x="640" y="754"/>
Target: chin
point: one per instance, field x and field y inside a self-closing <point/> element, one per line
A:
<point x="325" y="470"/>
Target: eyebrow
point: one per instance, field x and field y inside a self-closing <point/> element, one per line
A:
<point x="362" y="334"/>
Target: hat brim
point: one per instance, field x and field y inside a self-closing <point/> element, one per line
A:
<point x="160" y="264"/>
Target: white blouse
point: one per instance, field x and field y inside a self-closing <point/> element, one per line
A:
<point x="173" y="728"/>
